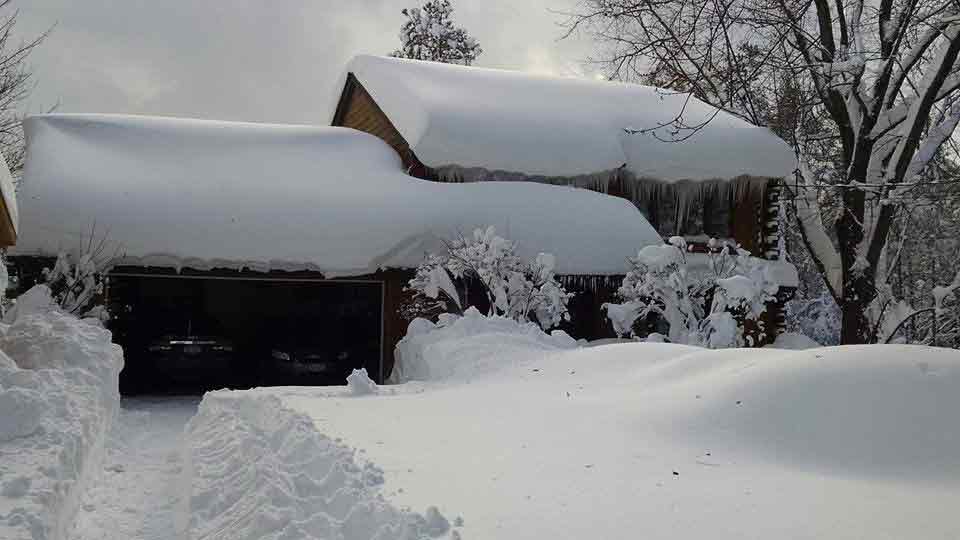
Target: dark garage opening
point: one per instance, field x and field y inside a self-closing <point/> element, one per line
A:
<point x="184" y="334"/>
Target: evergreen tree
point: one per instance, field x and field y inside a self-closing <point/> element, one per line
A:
<point x="429" y="34"/>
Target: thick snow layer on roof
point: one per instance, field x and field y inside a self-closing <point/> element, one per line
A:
<point x="549" y="126"/>
<point x="203" y="194"/>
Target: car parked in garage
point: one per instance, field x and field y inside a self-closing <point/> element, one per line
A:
<point x="193" y="356"/>
<point x="310" y="362"/>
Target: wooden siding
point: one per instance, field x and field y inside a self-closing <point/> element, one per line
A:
<point x="358" y="110"/>
<point x="8" y="232"/>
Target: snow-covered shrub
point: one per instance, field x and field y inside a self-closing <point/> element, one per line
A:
<point x="76" y="286"/>
<point x="817" y="318"/>
<point x="711" y="309"/>
<point x="515" y="288"/>
<point x="937" y="325"/>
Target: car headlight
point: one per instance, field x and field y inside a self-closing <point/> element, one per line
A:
<point x="280" y="355"/>
<point x="158" y="348"/>
<point x="225" y="348"/>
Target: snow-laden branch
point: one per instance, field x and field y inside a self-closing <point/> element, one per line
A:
<point x="935" y="138"/>
<point x="814" y="232"/>
<point x="917" y="117"/>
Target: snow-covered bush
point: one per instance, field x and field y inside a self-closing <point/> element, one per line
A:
<point x="711" y="309"/>
<point x="515" y="288"/>
<point x="76" y="286"/>
<point x="937" y="325"/>
<point x="817" y="317"/>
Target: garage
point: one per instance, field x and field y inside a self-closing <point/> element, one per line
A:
<point x="186" y="333"/>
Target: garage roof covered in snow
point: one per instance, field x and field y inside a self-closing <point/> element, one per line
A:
<point x="537" y="125"/>
<point x="204" y="194"/>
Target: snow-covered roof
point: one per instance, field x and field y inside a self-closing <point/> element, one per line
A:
<point x="561" y="127"/>
<point x="204" y="194"/>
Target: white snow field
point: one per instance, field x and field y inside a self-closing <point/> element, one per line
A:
<point x="58" y="399"/>
<point x="334" y="200"/>
<point x="541" y="125"/>
<point x="532" y="438"/>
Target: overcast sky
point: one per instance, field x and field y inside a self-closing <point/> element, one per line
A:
<point x="257" y="60"/>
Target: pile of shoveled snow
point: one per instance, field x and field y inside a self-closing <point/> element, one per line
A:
<point x="58" y="397"/>
<point x="793" y="341"/>
<point x="442" y="351"/>
<point x="661" y="441"/>
<point x="258" y="470"/>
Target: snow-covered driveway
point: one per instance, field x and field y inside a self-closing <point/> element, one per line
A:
<point x="630" y="441"/>
<point x="137" y="495"/>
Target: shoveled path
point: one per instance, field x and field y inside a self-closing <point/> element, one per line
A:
<point x="137" y="496"/>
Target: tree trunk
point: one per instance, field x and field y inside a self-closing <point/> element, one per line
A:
<point x="855" y="325"/>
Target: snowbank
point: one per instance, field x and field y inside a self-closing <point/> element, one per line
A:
<point x="333" y="200"/>
<point x="461" y="348"/>
<point x="58" y="397"/>
<point x="562" y="127"/>
<point x="662" y="441"/>
<point x="793" y="341"/>
<point x="258" y="470"/>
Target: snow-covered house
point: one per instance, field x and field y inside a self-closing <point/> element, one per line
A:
<point x="691" y="169"/>
<point x="254" y="223"/>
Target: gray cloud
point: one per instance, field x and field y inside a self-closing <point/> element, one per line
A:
<point x="256" y="60"/>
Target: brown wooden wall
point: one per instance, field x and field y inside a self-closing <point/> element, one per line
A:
<point x="394" y="325"/>
<point x="358" y="110"/>
<point x="8" y="231"/>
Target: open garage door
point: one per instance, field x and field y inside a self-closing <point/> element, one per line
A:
<point x="192" y="333"/>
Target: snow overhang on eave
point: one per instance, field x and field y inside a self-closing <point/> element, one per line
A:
<point x="472" y="118"/>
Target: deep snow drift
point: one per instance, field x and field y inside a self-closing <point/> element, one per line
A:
<point x="468" y="346"/>
<point x="58" y="397"/>
<point x="525" y="439"/>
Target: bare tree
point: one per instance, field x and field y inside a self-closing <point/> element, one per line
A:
<point x="866" y="91"/>
<point x="15" y="85"/>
